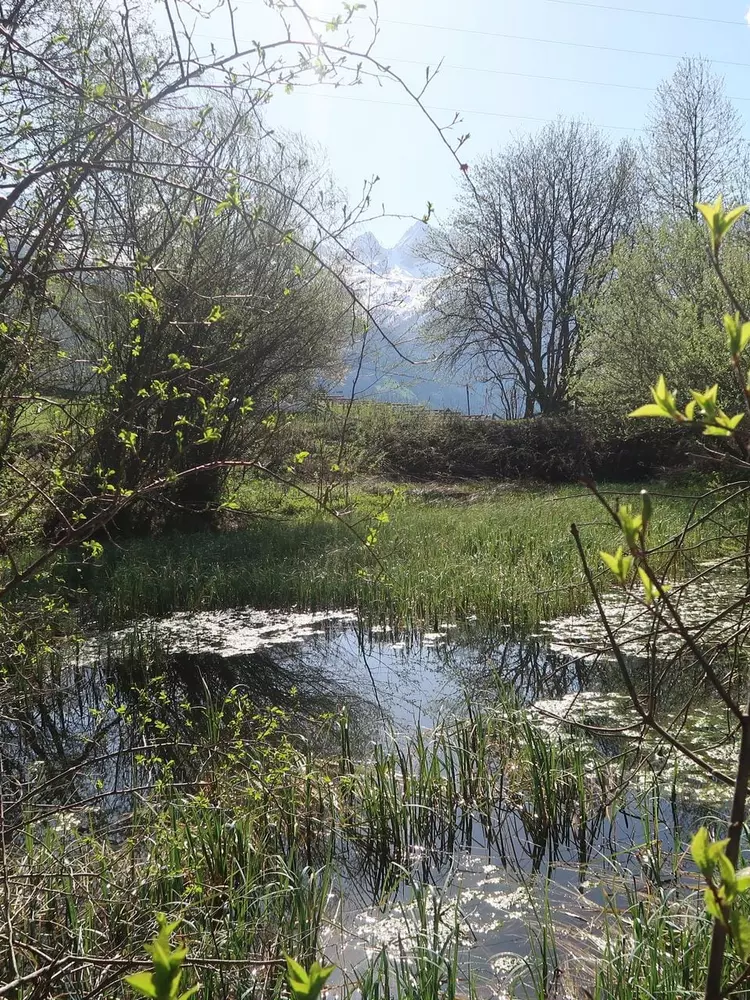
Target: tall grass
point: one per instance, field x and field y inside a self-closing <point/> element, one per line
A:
<point x="429" y="965"/>
<point x="501" y="555"/>
<point x="654" y="947"/>
<point x="254" y="848"/>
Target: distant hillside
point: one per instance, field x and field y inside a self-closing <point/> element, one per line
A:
<point x="395" y="284"/>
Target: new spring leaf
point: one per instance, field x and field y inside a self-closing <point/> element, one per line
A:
<point x="651" y="590"/>
<point x="619" y="564"/>
<point x="664" y="404"/>
<point x="738" y="334"/>
<point x="306" y="985"/>
<point x="718" y="221"/>
<point x="163" y="981"/>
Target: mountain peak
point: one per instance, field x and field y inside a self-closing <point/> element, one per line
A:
<point x="408" y="252"/>
<point x="403" y="255"/>
<point x="368" y="249"/>
<point x="416" y="233"/>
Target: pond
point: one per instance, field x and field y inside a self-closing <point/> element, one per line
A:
<point x="488" y="888"/>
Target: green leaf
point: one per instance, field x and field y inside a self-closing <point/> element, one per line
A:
<point x="708" y="211"/>
<point x="706" y="399"/>
<point x="93" y="548"/>
<point x="214" y="316"/>
<point x="738" y="334"/>
<point x="712" y="905"/>
<point x="722" y="422"/>
<point x="631" y="524"/>
<point x="297" y="978"/>
<point x="739" y="928"/>
<point x="743" y="880"/>
<point x="664" y="404"/>
<point x="163" y="982"/>
<point x="649" y="410"/>
<point x="129" y="439"/>
<point x="734" y="215"/>
<point x="718" y="221"/>
<point x="716" y="848"/>
<point x="178" y="362"/>
<point x="142" y="982"/>
<point x="619" y="564"/>
<point x="728" y="876"/>
<point x="651" y="590"/>
<point x="713" y="431"/>
<point x="306" y="985"/>
<point x="699" y="848"/>
<point x="209" y="434"/>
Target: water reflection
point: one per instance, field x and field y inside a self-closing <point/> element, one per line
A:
<point x="152" y="681"/>
<point x="96" y="726"/>
<point x="409" y="677"/>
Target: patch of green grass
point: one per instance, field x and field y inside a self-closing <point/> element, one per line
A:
<point x="502" y="554"/>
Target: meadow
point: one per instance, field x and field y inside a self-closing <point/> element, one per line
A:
<point x="417" y="555"/>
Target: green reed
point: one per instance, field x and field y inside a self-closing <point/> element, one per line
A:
<point x="655" y="946"/>
<point x="427" y="962"/>
<point x="503" y="555"/>
<point x="248" y="832"/>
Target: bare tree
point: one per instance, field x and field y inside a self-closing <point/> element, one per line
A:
<point x="525" y="243"/>
<point x="694" y="149"/>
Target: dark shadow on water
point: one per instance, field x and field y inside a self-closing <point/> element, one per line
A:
<point x="76" y="736"/>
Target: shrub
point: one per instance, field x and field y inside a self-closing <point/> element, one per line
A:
<point x="417" y="443"/>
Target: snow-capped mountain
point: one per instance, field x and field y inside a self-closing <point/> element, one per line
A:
<point x="396" y="284"/>
<point x="408" y="255"/>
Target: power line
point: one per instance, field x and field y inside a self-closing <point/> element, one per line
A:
<point x="455" y="29"/>
<point x="515" y="73"/>
<point x="537" y="76"/>
<point x="551" y="41"/>
<point x="529" y="76"/>
<point x="505" y="72"/>
<point x="465" y="111"/>
<point x="642" y="11"/>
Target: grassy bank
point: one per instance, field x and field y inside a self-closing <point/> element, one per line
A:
<point x="503" y="554"/>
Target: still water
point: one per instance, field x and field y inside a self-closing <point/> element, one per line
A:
<point x="491" y="890"/>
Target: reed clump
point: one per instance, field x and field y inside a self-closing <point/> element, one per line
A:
<point x="508" y="557"/>
<point x="251" y="834"/>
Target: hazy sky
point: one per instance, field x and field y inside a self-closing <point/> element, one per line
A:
<point x="509" y="65"/>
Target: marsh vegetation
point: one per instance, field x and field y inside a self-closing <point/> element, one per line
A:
<point x="403" y="786"/>
<point x="328" y="681"/>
